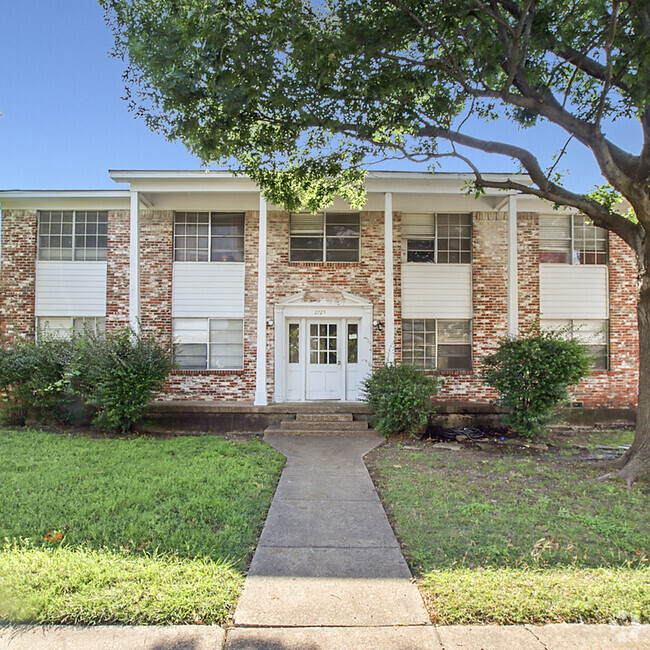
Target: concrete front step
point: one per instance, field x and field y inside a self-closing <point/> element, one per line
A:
<point x="318" y="432"/>
<point x="324" y="425"/>
<point x="324" y="417"/>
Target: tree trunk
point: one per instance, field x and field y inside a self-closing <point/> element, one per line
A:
<point x="635" y="463"/>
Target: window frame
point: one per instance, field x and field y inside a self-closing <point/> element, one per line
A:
<point x="72" y="328"/>
<point x="570" y="323"/>
<point x="436" y="333"/>
<point x="323" y="236"/>
<point x="435" y="239"/>
<point x="209" y="343"/>
<point x="101" y="252"/>
<point x="212" y="215"/>
<point x="574" y="252"/>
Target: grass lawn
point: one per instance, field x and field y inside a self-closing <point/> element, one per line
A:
<point x="128" y="530"/>
<point x="515" y="536"/>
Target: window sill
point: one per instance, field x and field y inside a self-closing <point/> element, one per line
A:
<point x="451" y="373"/>
<point x="331" y="264"/>
<point x="572" y="265"/>
<point x="207" y="262"/>
<point x="184" y="373"/>
<point x="468" y="264"/>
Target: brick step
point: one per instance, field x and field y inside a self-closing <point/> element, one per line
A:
<point x="324" y="417"/>
<point x="324" y="425"/>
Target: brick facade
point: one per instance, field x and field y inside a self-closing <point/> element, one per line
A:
<point x="156" y="265"/>
<point x="619" y="385"/>
<point x="234" y="385"/>
<point x="528" y="268"/>
<point x="489" y="304"/>
<point x="615" y="387"/>
<point x="117" y="270"/>
<point x="18" y="274"/>
<point x="365" y="279"/>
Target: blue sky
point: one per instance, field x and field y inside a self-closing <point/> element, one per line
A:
<point x="64" y="123"/>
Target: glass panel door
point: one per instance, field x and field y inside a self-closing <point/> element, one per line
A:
<point x="323" y="346"/>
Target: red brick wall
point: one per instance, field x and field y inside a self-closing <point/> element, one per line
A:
<point x="235" y="385"/>
<point x="528" y="268"/>
<point x="364" y="278"/>
<point x="614" y="387"/>
<point x="489" y="304"/>
<point x="117" y="270"/>
<point x="618" y="386"/>
<point x="18" y="279"/>
<point x="156" y="264"/>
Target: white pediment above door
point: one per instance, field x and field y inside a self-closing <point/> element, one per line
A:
<point x="323" y="297"/>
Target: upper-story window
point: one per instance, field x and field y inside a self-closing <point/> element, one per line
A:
<point x="209" y="237"/>
<point x="571" y="239"/>
<point x="329" y="237"/>
<point x="445" y="238"/>
<point x="72" y="235"/>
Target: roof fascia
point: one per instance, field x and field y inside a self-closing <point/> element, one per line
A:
<point x="64" y="199"/>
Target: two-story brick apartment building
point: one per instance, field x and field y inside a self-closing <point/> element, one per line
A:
<point x="266" y="307"/>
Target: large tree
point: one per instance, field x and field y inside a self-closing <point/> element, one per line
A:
<point x="304" y="93"/>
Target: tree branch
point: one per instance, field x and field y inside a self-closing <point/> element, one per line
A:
<point x="546" y="189"/>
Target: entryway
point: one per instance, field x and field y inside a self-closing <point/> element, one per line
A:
<point x="323" y="359"/>
<point x="323" y="347"/>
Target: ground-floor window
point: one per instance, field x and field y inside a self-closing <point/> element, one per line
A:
<point x="63" y="326"/>
<point x="436" y="344"/>
<point x="209" y="343"/>
<point x="594" y="333"/>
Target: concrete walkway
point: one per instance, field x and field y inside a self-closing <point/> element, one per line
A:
<point x="327" y="555"/>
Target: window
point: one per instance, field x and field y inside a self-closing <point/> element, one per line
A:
<point x="592" y="333"/>
<point x="437" y="344"/>
<point x="443" y="238"/>
<point x="330" y="237"/>
<point x="353" y="343"/>
<point x="209" y="237"/>
<point x="571" y="239"/>
<point x="209" y="343"/>
<point x="323" y="343"/>
<point x="72" y="235"/>
<point x="294" y="343"/>
<point x="64" y="326"/>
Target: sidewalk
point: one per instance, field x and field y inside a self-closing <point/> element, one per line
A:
<point x="328" y="574"/>
<point x="206" y="637"/>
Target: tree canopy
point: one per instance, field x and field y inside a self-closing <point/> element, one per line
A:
<point x="304" y="93"/>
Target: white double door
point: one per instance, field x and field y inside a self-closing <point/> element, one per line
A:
<point x="323" y="359"/>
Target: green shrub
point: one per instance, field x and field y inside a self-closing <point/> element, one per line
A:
<point x="118" y="373"/>
<point x="400" y="396"/>
<point x="34" y="379"/>
<point x="532" y="374"/>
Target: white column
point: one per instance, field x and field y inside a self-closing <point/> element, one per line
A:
<point x="260" y="372"/>
<point x="513" y="283"/>
<point x="389" y="325"/>
<point x="134" y="264"/>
